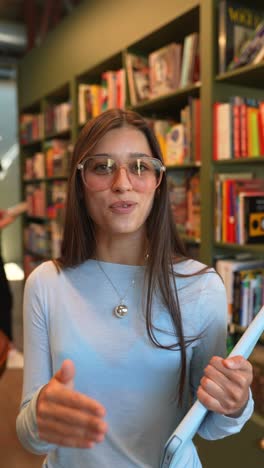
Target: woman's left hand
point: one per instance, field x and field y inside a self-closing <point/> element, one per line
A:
<point x="224" y="388"/>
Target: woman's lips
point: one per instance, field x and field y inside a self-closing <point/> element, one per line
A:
<point x="123" y="207"/>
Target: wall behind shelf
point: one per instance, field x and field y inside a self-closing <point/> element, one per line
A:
<point x="96" y="30"/>
<point x="10" y="192"/>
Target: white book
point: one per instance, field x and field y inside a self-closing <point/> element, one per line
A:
<point x="224" y="149"/>
<point x="259" y="57"/>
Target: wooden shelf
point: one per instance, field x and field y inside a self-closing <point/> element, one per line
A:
<point x="44" y="179"/>
<point x="62" y="134"/>
<point x="37" y="219"/>
<point x="236" y="162"/>
<point x="190" y="165"/>
<point x="32" y="144"/>
<point x="258" y="248"/>
<point x="249" y="75"/>
<point x="168" y="103"/>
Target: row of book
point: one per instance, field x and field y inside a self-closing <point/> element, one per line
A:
<point x="185" y="199"/>
<point x="240" y="34"/>
<point x="53" y="162"/>
<point x="93" y="99"/>
<point x="244" y="283"/>
<point x="238" y="129"/>
<point x="36" y="126"/>
<point x="37" y="239"/>
<point x="163" y="71"/>
<point x="44" y="241"/>
<point x="31" y="127"/>
<point x="46" y="200"/>
<point x="57" y="118"/>
<point x="180" y="142"/>
<point x="239" y="208"/>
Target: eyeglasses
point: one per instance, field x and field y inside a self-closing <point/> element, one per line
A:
<point x="99" y="172"/>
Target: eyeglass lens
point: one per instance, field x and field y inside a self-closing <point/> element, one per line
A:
<point x="144" y="173"/>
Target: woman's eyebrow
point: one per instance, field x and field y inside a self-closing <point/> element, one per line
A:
<point x="139" y="155"/>
<point x="130" y="155"/>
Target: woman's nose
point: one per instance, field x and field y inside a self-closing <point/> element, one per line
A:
<point x="121" y="180"/>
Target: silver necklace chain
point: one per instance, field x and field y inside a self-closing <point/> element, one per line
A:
<point x="121" y="309"/>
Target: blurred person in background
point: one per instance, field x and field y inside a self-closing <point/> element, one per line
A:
<point x="5" y="291"/>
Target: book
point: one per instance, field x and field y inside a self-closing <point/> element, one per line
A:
<point x="137" y="69"/>
<point x="165" y="69"/>
<point x="253" y="217"/>
<point x="236" y="22"/>
<point x="250" y="48"/>
<point x="252" y="129"/>
<point x="175" y="145"/>
<point x="226" y="269"/>
<point x="221" y="200"/>
<point x="17" y="209"/>
<point x="189" y="58"/>
<point x="177" y="186"/>
<point x="259" y="57"/>
<point x="194" y="206"/>
<point x="222" y="118"/>
<point x="261" y="127"/>
<point x="247" y="295"/>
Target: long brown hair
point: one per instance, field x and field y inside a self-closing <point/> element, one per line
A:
<point x="164" y="244"/>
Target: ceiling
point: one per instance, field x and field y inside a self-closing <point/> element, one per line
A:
<point x="25" y="23"/>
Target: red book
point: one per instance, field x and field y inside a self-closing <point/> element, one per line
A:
<point x="236" y="130"/>
<point x="197" y="107"/>
<point x="244" y="131"/>
<point x="261" y="127"/>
<point x="215" y="134"/>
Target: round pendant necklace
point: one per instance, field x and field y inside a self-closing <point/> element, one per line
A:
<point x="121" y="309"/>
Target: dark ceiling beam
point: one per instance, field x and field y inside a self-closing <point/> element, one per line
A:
<point x="56" y="13"/>
<point x="45" y="19"/>
<point x="68" y="5"/>
<point x="30" y="17"/>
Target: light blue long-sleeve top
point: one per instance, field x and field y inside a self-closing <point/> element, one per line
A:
<point x="69" y="316"/>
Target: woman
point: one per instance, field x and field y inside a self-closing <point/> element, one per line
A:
<point x="5" y="292"/>
<point x="119" y="330"/>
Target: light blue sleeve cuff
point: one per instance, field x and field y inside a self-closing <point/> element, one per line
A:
<point x="27" y="429"/>
<point x="217" y="426"/>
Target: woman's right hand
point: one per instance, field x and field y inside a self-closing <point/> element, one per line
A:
<point x="66" y="417"/>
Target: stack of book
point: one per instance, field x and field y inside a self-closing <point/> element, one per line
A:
<point x="56" y="199"/>
<point x="36" y="200"/>
<point x="239" y="214"/>
<point x="185" y="202"/>
<point x="93" y="99"/>
<point x="180" y="142"/>
<point x="37" y="239"/>
<point x="238" y="129"/>
<point x="31" y="128"/>
<point x="34" y="167"/>
<point x="57" y="118"/>
<point x="163" y="71"/>
<point x="244" y="282"/>
<point x="57" y="155"/>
